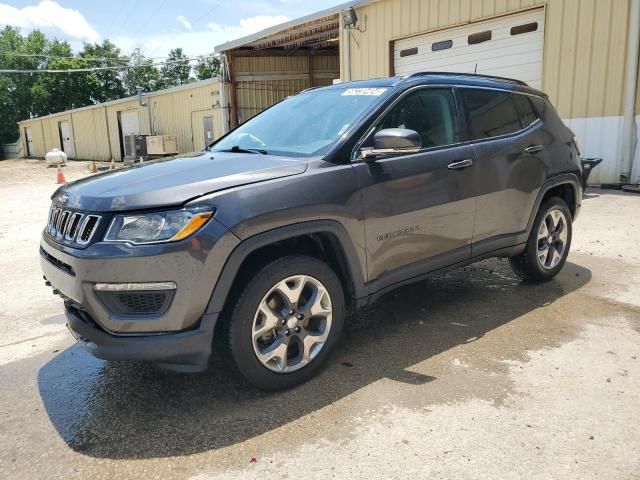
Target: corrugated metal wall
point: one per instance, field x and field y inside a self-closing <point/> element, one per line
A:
<point x="584" y="52"/>
<point x="265" y="80"/>
<point x="95" y="129"/>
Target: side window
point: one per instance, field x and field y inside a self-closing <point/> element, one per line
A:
<point x="489" y="113"/>
<point x="431" y="112"/>
<point x="527" y="114"/>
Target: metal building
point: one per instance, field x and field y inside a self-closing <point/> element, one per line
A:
<point x="191" y="112"/>
<point x="582" y="53"/>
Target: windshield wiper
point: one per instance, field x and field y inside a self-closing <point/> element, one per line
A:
<point x="238" y="149"/>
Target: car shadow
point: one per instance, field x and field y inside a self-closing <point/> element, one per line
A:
<point x="132" y="410"/>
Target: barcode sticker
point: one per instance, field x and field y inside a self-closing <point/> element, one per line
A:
<point x="364" y="91"/>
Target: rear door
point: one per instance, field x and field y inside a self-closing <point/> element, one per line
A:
<point x="418" y="212"/>
<point x="508" y="141"/>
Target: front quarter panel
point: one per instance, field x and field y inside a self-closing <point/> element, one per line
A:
<point x="325" y="191"/>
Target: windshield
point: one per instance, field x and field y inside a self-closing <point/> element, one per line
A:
<point x="303" y="125"/>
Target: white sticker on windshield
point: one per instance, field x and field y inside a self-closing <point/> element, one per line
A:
<point x="364" y="91"/>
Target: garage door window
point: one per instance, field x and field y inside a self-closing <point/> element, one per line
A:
<point x="489" y="113"/>
<point x="430" y="112"/>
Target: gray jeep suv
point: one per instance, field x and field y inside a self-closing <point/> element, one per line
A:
<point x="311" y="209"/>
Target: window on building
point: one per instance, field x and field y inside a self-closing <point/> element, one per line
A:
<point x="407" y="52"/>
<point x="489" y="113"/>
<point x="527" y="114"/>
<point x="526" y="28"/>
<point x="431" y="112"/>
<point x="479" y="37"/>
<point x="444" y="45"/>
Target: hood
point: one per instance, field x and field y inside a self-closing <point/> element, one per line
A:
<point x="172" y="182"/>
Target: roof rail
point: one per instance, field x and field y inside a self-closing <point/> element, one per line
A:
<point x="475" y="75"/>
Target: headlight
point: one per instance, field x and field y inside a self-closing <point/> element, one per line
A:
<point x="157" y="226"/>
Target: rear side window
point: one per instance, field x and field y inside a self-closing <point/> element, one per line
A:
<point x="489" y="113"/>
<point x="527" y="114"/>
<point x="431" y="112"/>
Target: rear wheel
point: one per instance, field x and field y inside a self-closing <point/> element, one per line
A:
<point x="286" y="322"/>
<point x="548" y="244"/>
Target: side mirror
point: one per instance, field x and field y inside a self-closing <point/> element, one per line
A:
<point x="394" y="141"/>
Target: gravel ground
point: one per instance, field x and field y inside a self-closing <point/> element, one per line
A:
<point x="470" y="374"/>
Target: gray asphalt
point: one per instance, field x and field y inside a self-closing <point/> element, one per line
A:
<point x="470" y="374"/>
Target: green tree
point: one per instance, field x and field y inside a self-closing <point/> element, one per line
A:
<point x="207" y="68"/>
<point x="176" y="70"/>
<point x="15" y="89"/>
<point x="107" y="84"/>
<point x="144" y="76"/>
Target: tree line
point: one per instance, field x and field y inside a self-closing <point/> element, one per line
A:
<point x="24" y="96"/>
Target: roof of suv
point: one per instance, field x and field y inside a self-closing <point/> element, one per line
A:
<point x="446" y="78"/>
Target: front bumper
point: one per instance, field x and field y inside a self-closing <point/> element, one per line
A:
<point x="186" y="351"/>
<point x="180" y="334"/>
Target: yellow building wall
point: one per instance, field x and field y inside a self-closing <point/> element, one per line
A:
<point x="95" y="130"/>
<point x="180" y="113"/>
<point x="584" y="48"/>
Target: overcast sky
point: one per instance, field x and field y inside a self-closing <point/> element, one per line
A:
<point x="156" y="26"/>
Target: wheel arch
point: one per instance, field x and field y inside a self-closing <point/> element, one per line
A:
<point x="326" y="236"/>
<point x="565" y="186"/>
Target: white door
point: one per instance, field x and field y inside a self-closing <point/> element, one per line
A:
<point x="66" y="136"/>
<point x="509" y="46"/>
<point x="129" y="122"/>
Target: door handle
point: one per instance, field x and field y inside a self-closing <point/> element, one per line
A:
<point x="461" y="165"/>
<point x="534" y="148"/>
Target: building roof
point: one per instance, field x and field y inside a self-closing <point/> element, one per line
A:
<point x="166" y="91"/>
<point x="317" y="30"/>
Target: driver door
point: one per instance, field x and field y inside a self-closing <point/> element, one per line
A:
<point x="418" y="208"/>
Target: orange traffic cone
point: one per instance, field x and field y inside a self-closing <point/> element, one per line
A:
<point x="113" y="164"/>
<point x="60" y="176"/>
<point x="94" y="169"/>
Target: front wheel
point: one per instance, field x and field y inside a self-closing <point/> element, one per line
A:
<point x="286" y="322"/>
<point x="548" y="244"/>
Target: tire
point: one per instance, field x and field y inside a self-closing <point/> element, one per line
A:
<point x="533" y="264"/>
<point x="258" y="303"/>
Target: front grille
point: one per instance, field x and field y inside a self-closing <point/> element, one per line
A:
<point x="71" y="227"/>
<point x="137" y="302"/>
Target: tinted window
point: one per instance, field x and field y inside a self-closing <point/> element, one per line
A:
<point x="527" y="114"/>
<point x="489" y="113"/>
<point x="431" y="112"/>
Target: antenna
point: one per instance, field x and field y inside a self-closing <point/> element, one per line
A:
<point x="475" y="70"/>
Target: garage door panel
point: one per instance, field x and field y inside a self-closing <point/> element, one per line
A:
<point x="508" y="53"/>
<point x="518" y="56"/>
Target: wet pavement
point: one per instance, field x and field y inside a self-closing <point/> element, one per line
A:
<point x="468" y="374"/>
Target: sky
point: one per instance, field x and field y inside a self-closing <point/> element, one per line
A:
<point x="155" y="26"/>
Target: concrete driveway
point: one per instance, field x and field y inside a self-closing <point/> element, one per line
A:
<point x="470" y="374"/>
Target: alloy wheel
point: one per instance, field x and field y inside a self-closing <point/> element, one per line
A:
<point x="552" y="239"/>
<point x="292" y="324"/>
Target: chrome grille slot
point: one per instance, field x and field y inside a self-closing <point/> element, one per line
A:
<point x="70" y="227"/>
<point x="87" y="229"/>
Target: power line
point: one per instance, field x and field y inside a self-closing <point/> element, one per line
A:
<point x="96" y="69"/>
<point x="59" y="57"/>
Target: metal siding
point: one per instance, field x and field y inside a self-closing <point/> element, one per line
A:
<point x="173" y="114"/>
<point x="584" y="48"/>
<point x="256" y="94"/>
<point x="90" y="133"/>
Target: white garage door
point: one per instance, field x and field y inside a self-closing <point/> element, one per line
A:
<point x="509" y="46"/>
